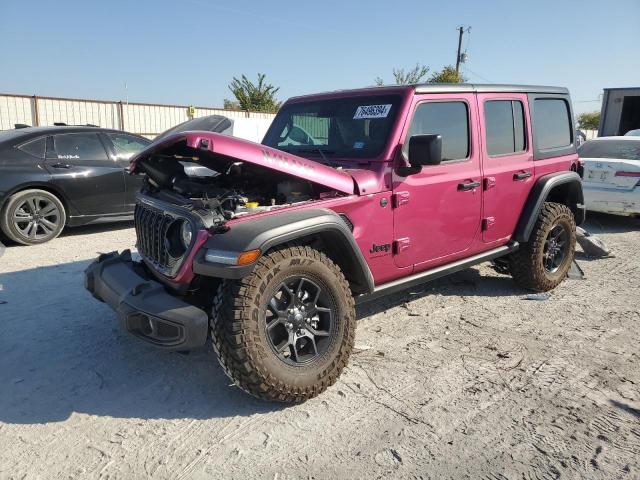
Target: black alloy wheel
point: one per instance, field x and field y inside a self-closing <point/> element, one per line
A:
<point x="299" y="320"/>
<point x="556" y="247"/>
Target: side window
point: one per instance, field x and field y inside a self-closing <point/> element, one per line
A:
<point x="126" y="146"/>
<point x="449" y="119"/>
<point x="79" y="146"/>
<point x="504" y="122"/>
<point x="552" y="123"/>
<point x="34" y="148"/>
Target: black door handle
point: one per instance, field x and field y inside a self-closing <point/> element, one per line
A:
<point x="61" y="165"/>
<point x="521" y="175"/>
<point x="468" y="186"/>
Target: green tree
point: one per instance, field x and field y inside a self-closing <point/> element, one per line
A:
<point x="447" y="75"/>
<point x="589" y="120"/>
<point x="231" y="105"/>
<point x="415" y="75"/>
<point x="256" y="97"/>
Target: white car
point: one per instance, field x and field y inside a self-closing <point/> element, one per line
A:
<point x="633" y="133"/>
<point x="611" y="179"/>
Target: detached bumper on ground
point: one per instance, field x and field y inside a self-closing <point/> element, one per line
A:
<point x="144" y="306"/>
<point x="611" y="200"/>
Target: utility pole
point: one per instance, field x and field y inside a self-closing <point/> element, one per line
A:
<point x="461" y="31"/>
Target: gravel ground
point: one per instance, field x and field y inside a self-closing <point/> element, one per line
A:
<point x="462" y="378"/>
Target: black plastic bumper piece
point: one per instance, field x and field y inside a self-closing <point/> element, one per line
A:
<point x="144" y="306"/>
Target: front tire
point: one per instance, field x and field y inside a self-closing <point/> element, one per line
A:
<point x="32" y="216"/>
<point x="543" y="262"/>
<point x="285" y="332"/>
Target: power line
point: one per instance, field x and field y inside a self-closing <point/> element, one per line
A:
<point x="467" y="69"/>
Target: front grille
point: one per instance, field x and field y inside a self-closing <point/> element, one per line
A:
<point x="151" y="231"/>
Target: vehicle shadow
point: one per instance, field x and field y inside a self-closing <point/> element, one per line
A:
<point x="62" y="351"/>
<point x="605" y="223"/>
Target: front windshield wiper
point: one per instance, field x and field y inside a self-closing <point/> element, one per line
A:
<point x="319" y="150"/>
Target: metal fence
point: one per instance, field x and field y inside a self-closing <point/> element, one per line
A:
<point x="142" y="118"/>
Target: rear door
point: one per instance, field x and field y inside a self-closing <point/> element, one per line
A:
<point x="437" y="211"/>
<point x="507" y="162"/>
<point x="123" y="147"/>
<point x="80" y="166"/>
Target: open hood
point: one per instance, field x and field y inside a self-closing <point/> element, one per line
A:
<point x="222" y="148"/>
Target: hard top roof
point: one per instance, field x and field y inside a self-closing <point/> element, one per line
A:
<point x="449" y="88"/>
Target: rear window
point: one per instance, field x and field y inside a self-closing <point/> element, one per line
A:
<point x="552" y="123"/>
<point x="618" y="149"/>
<point x="35" y="147"/>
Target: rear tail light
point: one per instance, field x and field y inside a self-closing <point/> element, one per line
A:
<point x="628" y="174"/>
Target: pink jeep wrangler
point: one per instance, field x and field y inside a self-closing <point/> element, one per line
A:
<point x="266" y="248"/>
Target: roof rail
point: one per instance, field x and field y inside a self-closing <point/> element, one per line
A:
<point x="21" y="125"/>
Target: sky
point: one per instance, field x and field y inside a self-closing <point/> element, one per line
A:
<point x="186" y="52"/>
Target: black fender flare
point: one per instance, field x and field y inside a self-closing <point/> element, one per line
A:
<point x="562" y="187"/>
<point x="269" y="231"/>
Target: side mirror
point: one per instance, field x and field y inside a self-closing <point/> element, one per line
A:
<point x="425" y="150"/>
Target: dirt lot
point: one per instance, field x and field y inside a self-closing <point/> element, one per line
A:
<point x="463" y="378"/>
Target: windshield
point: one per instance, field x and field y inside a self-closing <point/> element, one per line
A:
<point x="356" y="127"/>
<point x="619" y="149"/>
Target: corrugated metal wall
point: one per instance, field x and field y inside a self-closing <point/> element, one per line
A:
<point x="144" y="119"/>
<point x="14" y="109"/>
<point x="77" y="112"/>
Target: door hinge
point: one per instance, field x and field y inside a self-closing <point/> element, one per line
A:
<point x="399" y="199"/>
<point x="401" y="245"/>
<point x="488" y="222"/>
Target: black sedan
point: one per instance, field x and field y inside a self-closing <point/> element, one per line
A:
<point x="52" y="177"/>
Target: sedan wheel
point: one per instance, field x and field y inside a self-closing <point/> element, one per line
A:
<point x="32" y="217"/>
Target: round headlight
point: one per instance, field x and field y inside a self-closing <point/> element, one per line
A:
<point x="186" y="233"/>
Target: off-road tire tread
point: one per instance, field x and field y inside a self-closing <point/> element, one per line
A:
<point x="236" y="350"/>
<point x="5" y="222"/>
<point x="524" y="268"/>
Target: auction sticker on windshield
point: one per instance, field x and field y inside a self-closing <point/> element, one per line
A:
<point x="372" y="111"/>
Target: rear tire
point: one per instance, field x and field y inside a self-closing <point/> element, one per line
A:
<point x="285" y="332"/>
<point x="543" y="262"/>
<point x="33" y="216"/>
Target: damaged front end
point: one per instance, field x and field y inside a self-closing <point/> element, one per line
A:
<point x="232" y="177"/>
<point x="200" y="187"/>
<point x="198" y="183"/>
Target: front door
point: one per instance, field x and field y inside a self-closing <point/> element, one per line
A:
<point x="123" y="147"/>
<point x="80" y="167"/>
<point x="507" y="162"/>
<point x="437" y="211"/>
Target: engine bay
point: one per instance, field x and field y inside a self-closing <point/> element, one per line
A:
<point x="237" y="190"/>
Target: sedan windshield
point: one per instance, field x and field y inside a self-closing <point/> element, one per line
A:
<point x="356" y="127"/>
<point x="618" y="149"/>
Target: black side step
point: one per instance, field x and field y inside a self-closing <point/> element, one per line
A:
<point x="441" y="271"/>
